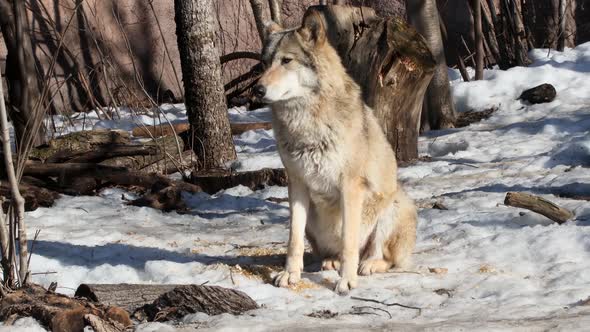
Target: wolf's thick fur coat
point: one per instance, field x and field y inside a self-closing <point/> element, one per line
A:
<point x="343" y="190"/>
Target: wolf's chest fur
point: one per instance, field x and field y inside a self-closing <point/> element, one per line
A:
<point x="311" y="149"/>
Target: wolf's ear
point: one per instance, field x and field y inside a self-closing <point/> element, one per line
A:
<point x="312" y="30"/>
<point x="271" y="27"/>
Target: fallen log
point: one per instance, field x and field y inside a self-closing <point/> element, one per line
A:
<point x="79" y="142"/>
<point x="166" y="199"/>
<point x="160" y="130"/>
<point x="212" y="182"/>
<point x="108" y="152"/>
<point x="166" y="302"/>
<point x="240" y="128"/>
<point x="113" y="175"/>
<point x="539" y="205"/>
<point x="58" y="312"/>
<point x="164" y="148"/>
<point x="172" y="165"/>
<point x="34" y="196"/>
<point x="190" y="299"/>
<point x="127" y="296"/>
<point x="179" y="128"/>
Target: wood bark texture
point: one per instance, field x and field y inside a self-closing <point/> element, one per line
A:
<point x="478" y="33"/>
<point x="204" y="94"/>
<point x="539" y="205"/>
<point x="423" y="16"/>
<point x="392" y="64"/>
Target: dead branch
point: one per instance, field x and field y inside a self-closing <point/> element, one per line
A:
<point x="276" y="10"/>
<point x="539" y="205"/>
<point x="259" y="17"/>
<point x="160" y="130"/>
<point x="179" y="128"/>
<point x="239" y="128"/>
<point x="239" y="55"/>
<point x="395" y="304"/>
<point x="213" y="182"/>
<point x="55" y="311"/>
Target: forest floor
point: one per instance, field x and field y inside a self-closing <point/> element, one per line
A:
<point x="500" y="267"/>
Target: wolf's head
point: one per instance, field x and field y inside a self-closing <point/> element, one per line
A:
<point x="289" y="57"/>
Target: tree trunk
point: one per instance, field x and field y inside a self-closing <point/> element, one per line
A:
<point x="392" y="64"/>
<point x="562" y="24"/>
<point x="21" y="75"/>
<point x="477" y="32"/>
<point x="423" y="15"/>
<point x="204" y="94"/>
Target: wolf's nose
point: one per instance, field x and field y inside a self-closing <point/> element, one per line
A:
<point x="259" y="90"/>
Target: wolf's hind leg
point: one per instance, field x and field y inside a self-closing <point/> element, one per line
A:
<point x="331" y="263"/>
<point x="370" y="266"/>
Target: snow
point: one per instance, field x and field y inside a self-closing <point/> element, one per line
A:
<point x="507" y="268"/>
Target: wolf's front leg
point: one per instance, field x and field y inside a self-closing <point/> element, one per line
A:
<point x="299" y="208"/>
<point x="351" y="205"/>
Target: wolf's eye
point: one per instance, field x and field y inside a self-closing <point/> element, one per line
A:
<point x="285" y="61"/>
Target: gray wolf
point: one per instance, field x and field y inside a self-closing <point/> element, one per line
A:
<point x="343" y="190"/>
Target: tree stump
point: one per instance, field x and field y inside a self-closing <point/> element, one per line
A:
<point x="391" y="63"/>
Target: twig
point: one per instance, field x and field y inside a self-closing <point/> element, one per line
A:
<point x="43" y="273"/>
<point x="368" y="313"/>
<point x="395" y="304"/>
<point x="17" y="198"/>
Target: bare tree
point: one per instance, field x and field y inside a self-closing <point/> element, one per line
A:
<point x="478" y="34"/>
<point x="562" y="25"/>
<point x="21" y="75"/>
<point x="439" y="110"/>
<point x="17" y="218"/>
<point x="196" y="32"/>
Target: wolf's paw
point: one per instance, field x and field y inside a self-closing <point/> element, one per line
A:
<point x="371" y="266"/>
<point x="284" y="279"/>
<point x="344" y="285"/>
<point x="330" y="264"/>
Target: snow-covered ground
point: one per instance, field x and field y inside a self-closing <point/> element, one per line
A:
<point x="506" y="268"/>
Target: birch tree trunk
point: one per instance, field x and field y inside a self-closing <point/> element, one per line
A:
<point x="196" y="31"/>
<point x="562" y="25"/>
<point x="438" y="103"/>
<point x="18" y="202"/>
